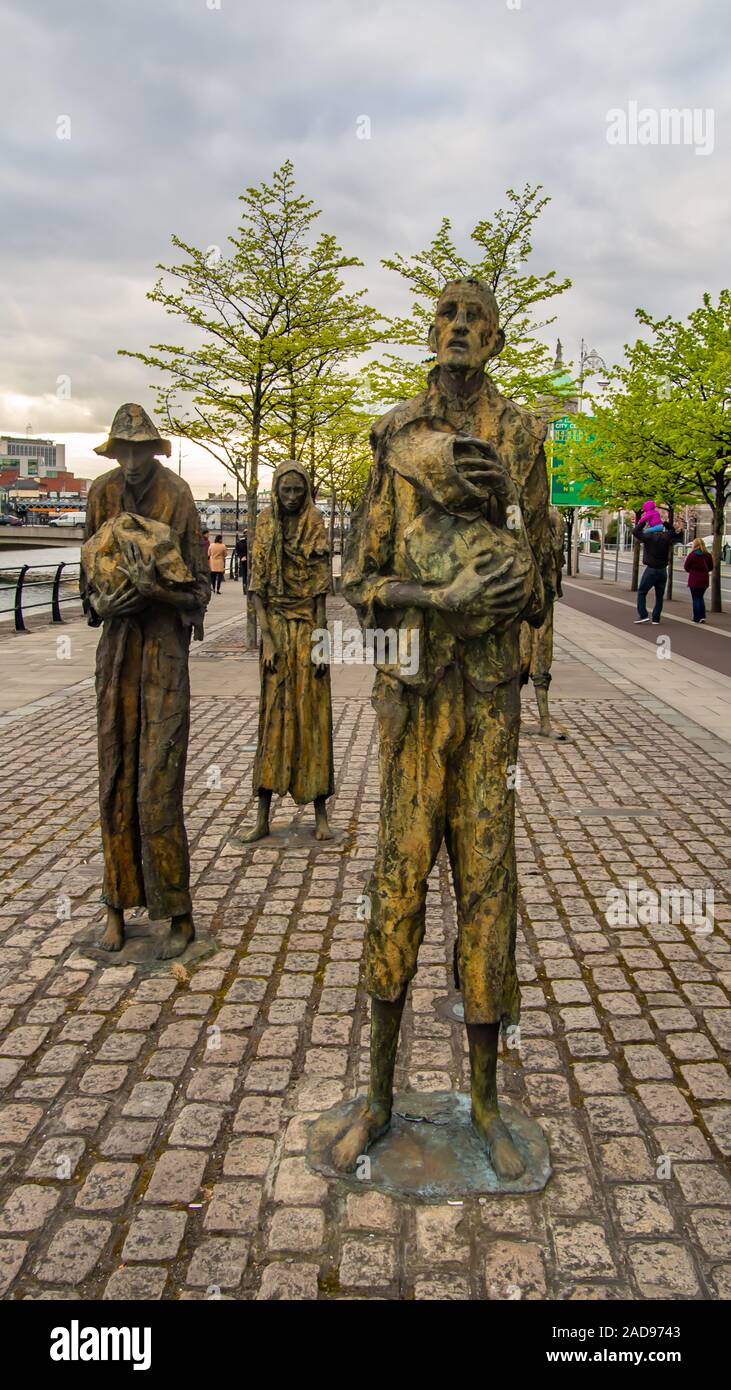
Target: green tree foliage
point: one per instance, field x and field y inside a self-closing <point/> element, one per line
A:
<point x="664" y="430"/>
<point x="502" y="247"/>
<point x="267" y="326"/>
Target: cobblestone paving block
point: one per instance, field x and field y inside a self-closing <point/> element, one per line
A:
<point x="367" y="1264"/>
<point x="663" y="1270"/>
<point x="177" y="1176"/>
<point x="234" y="1206"/>
<point x="107" y="1186"/>
<point x="74" y="1251"/>
<point x="144" y="1284"/>
<point x="27" y="1208"/>
<point x="154" y="1235"/>
<point x="12" y="1254"/>
<point x="514" y="1270"/>
<point x="218" y="1263"/>
<point x="288" y="1283"/>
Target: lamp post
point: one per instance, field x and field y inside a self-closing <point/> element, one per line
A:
<point x="590" y="362"/>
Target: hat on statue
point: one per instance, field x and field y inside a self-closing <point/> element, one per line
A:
<point x="132" y="424"/>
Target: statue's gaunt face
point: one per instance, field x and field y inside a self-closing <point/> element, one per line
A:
<point x="292" y="491"/>
<point x="135" y="460"/>
<point x="465" y="331"/>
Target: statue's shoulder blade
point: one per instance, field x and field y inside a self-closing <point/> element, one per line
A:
<point x="395" y="418"/>
<point x="102" y="485"/>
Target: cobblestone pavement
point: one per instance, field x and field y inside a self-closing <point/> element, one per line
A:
<point x="152" y="1126"/>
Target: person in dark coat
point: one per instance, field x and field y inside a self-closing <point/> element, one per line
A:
<point x="698" y="564"/>
<point x="242" y="556"/>
<point x="656" y="550"/>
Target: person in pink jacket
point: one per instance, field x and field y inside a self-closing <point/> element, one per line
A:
<point x="698" y="563"/>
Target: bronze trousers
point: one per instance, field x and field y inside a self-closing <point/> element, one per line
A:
<point x="447" y="769"/>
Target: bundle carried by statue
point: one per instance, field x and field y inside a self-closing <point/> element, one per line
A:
<point x="466" y="525"/>
<point x="105" y="556"/>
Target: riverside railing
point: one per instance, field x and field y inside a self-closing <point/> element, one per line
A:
<point x="28" y="587"/>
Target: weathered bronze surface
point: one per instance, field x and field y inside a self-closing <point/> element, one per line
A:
<point x="288" y="583"/>
<point x="536" y="644"/>
<point x="433" y="1151"/>
<point x="451" y="542"/>
<point x="144" y="944"/>
<point x="144" y="576"/>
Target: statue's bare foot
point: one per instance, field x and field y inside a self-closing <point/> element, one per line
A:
<point x="260" y="832"/>
<point x="113" y="938"/>
<point x="504" y="1156"/>
<point x="558" y="735"/>
<point x="366" y="1122"/>
<point x="182" y="932"/>
<point x="322" y="829"/>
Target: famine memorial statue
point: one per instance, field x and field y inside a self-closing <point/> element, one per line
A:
<point x="289" y="579"/>
<point x="536" y="643"/>
<point x="451" y="541"/>
<point x="144" y="576"/>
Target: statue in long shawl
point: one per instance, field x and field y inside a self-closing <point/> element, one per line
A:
<point x="289" y="580"/>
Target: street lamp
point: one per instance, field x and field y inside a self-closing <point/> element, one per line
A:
<point x="590" y="362"/>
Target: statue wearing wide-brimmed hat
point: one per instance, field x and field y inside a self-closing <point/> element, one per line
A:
<point x="132" y="425"/>
<point x="144" y="576"/>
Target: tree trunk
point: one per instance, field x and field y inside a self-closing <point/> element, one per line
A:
<point x="331" y="535"/>
<point x="719" y="523"/>
<point x="635" y="580"/>
<point x="252" y="493"/>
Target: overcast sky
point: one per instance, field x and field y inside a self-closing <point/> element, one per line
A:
<point x="175" y="106"/>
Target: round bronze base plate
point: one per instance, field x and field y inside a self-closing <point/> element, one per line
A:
<point x="143" y="940"/>
<point x="431" y="1150"/>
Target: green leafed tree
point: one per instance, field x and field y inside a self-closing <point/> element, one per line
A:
<point x="500" y="252"/>
<point x="664" y="430"/>
<point x="266" y="326"/>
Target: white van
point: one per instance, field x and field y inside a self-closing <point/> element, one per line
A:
<point x="69" y="519"/>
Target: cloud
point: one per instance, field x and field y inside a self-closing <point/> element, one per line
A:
<point x="175" y="107"/>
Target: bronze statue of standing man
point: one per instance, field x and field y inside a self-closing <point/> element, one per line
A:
<point x="289" y="580"/>
<point x="457" y="463"/>
<point x="536" y="643"/>
<point x="156" y="595"/>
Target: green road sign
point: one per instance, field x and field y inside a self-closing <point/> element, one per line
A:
<point x="569" y="492"/>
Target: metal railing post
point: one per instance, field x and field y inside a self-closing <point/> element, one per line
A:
<point x="55" y="599"/>
<point x="19" y="624"/>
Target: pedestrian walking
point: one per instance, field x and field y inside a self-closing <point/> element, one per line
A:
<point x="217" y="562"/>
<point x="658" y="538"/>
<point x="205" y="539"/>
<point x="698" y="564"/>
<point x="242" y="556"/>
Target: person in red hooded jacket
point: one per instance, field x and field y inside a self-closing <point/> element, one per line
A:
<point x="698" y="563"/>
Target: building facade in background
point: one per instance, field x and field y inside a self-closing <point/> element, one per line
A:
<point x="36" y="468"/>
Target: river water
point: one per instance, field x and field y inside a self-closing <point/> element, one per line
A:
<point x="38" y="582"/>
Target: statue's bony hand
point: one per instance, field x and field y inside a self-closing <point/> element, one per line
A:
<point x="141" y="573"/>
<point x="321" y="668"/>
<point x="472" y="581"/>
<point x="481" y="470"/>
<point x="269" y="653"/>
<point x="122" y="602"/>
